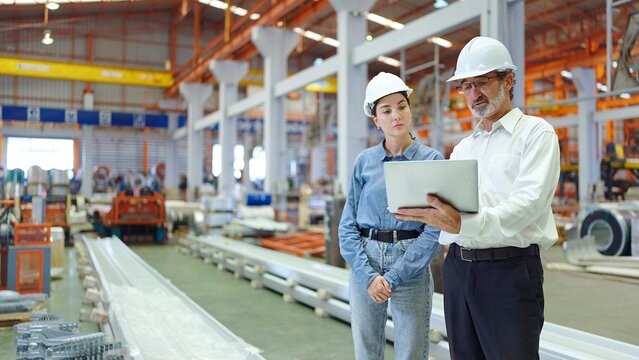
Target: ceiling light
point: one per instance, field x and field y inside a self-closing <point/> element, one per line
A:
<point x="389" y="61"/>
<point x="384" y="21"/>
<point x="602" y="87"/>
<point x="222" y="6"/>
<point x="624" y="96"/>
<point x="567" y="74"/>
<point x="369" y="37"/>
<point x="47" y="39"/>
<point x="614" y="64"/>
<point x="441" y="42"/>
<point x="440" y="4"/>
<point x="254" y="16"/>
<point x="280" y="23"/>
<point x="52" y="5"/>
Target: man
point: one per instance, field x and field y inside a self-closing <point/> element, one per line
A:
<point x="493" y="277"/>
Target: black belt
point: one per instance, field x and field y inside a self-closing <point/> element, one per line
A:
<point x="492" y="253"/>
<point x="390" y="235"/>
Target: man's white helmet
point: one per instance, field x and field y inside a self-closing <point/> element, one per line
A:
<point x="480" y="56"/>
<point x="381" y="85"/>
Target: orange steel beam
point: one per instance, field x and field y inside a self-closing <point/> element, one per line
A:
<point x="240" y="39"/>
<point x="249" y="50"/>
<point x="218" y="40"/>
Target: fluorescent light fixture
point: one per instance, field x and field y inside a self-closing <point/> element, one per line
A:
<point x="440" y="4"/>
<point x="52" y="5"/>
<point x="441" y="42"/>
<point x="317" y="37"/>
<point x="47" y="39"/>
<point x="602" y="87"/>
<point x="330" y="42"/>
<point x="389" y="61"/>
<point x="624" y="96"/>
<point x="222" y="6"/>
<point x="255" y="16"/>
<point x="384" y="21"/>
<point x="567" y="74"/>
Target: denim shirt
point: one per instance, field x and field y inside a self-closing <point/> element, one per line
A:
<point x="367" y="207"/>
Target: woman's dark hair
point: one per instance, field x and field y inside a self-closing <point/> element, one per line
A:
<point x="399" y="92"/>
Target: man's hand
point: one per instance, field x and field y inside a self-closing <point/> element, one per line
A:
<point x="441" y="216"/>
<point x="379" y="290"/>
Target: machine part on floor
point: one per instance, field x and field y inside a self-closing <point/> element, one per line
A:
<point x="263" y="225"/>
<point x="557" y="342"/>
<point x="134" y="218"/>
<point x="611" y="225"/>
<point x="133" y="290"/>
<point x="584" y="252"/>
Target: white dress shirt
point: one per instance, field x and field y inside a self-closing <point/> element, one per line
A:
<point x="518" y="173"/>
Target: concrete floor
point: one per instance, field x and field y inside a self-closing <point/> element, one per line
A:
<point x="598" y="304"/>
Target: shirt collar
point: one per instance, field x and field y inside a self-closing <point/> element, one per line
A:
<point x="409" y="153"/>
<point x="507" y="121"/>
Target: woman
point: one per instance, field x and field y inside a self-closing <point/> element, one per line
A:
<point x="388" y="258"/>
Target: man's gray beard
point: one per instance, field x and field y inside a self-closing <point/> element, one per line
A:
<point x="493" y="104"/>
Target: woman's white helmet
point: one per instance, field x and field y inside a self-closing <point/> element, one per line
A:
<point x="480" y="56"/>
<point x="381" y="85"/>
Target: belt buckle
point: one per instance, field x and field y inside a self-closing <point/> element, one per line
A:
<point x="394" y="236"/>
<point x="468" y="251"/>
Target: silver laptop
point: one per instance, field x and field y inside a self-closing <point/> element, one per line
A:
<point x="453" y="181"/>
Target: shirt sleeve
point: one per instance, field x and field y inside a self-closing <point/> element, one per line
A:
<point x="350" y="243"/>
<point x="532" y="193"/>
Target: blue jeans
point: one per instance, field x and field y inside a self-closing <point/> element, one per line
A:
<point x="410" y="307"/>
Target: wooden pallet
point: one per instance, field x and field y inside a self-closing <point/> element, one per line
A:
<point x="8" y="320"/>
<point x="302" y="244"/>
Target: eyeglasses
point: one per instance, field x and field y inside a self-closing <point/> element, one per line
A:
<point x="481" y="83"/>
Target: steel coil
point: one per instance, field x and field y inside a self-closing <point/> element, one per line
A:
<point x="58" y="177"/>
<point x="36" y="189"/>
<point x="36" y="175"/>
<point x="14" y="175"/>
<point x="611" y="230"/>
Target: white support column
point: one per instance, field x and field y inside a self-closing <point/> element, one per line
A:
<point x="504" y="20"/>
<point x="195" y="95"/>
<point x="352" y="124"/>
<point x="585" y="82"/>
<point x="229" y="74"/>
<point x="275" y="45"/>
<point x="170" y="162"/>
<point x="87" y="161"/>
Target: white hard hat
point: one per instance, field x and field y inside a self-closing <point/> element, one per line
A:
<point x="381" y="85"/>
<point x="480" y="56"/>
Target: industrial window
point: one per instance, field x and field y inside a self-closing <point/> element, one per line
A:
<point x="48" y="154"/>
<point x="257" y="163"/>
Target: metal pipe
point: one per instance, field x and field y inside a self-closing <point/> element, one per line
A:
<point x="609" y="44"/>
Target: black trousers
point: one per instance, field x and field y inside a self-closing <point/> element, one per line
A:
<point x="494" y="309"/>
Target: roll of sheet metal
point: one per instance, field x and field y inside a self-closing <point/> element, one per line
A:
<point x="36" y="189"/>
<point x="58" y="177"/>
<point x="612" y="229"/>
<point x="36" y="175"/>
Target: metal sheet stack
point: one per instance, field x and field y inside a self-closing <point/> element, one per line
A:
<point x="14" y="184"/>
<point x="36" y="181"/>
<point x="58" y="182"/>
<point x="218" y="211"/>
